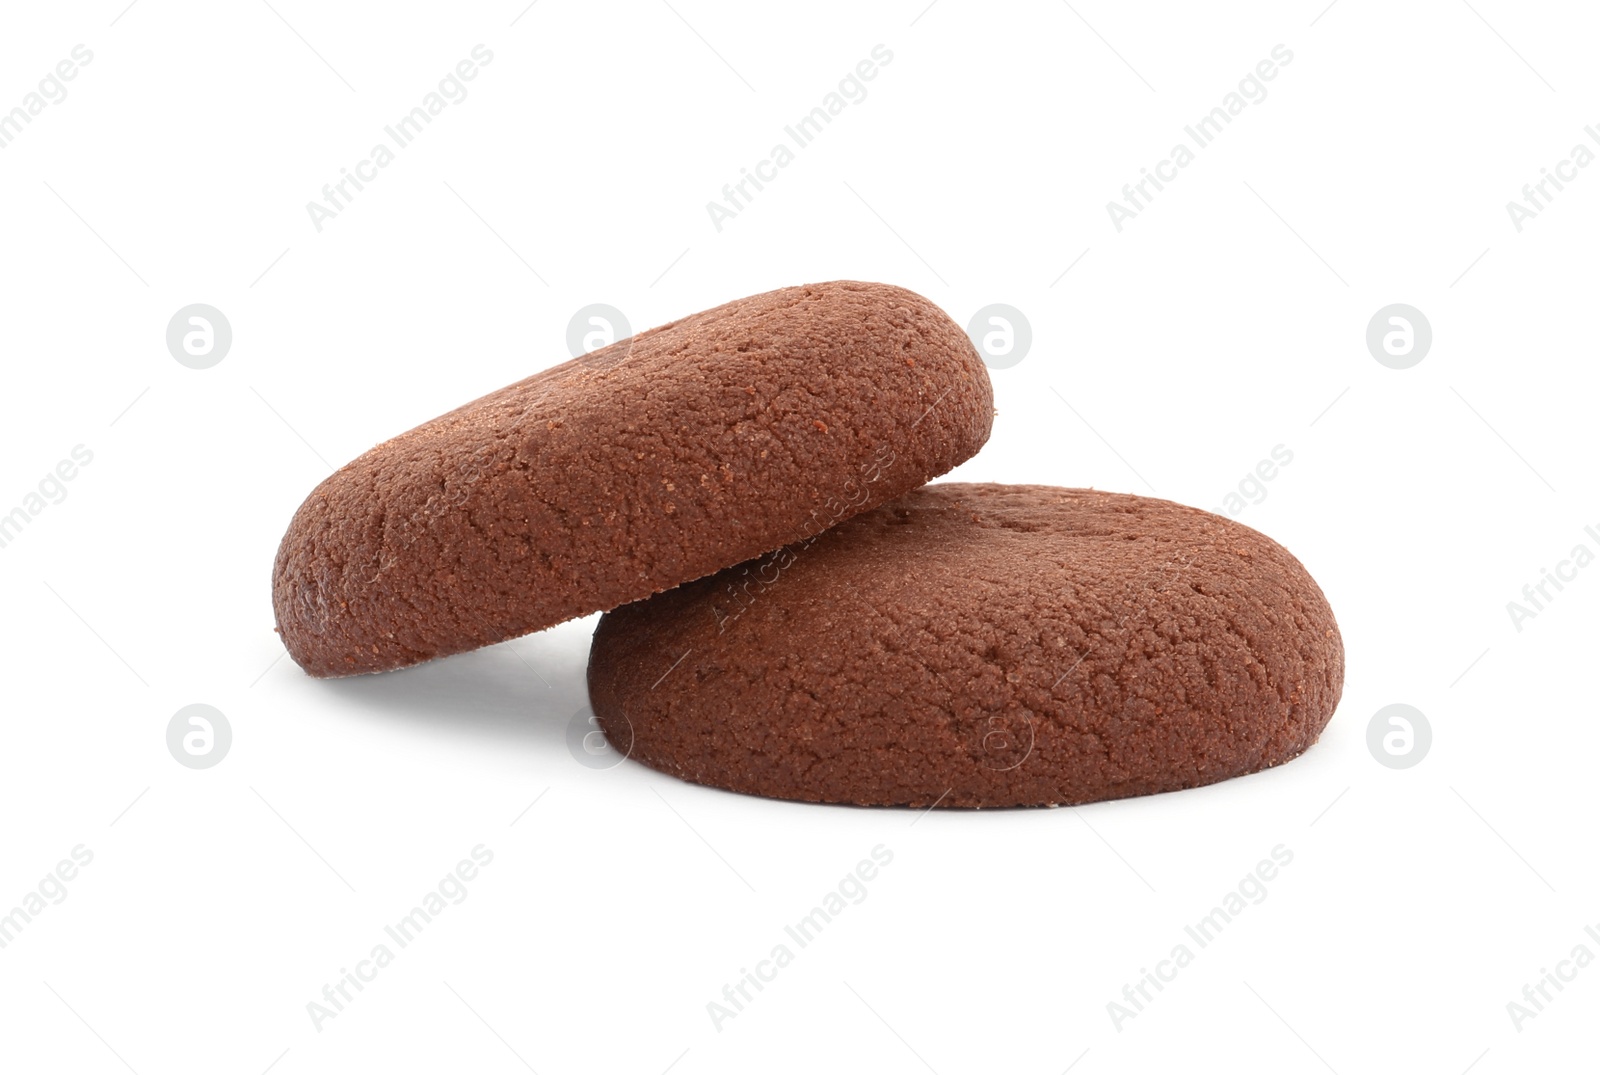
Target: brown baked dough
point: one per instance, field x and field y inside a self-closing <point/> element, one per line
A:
<point x="660" y="459"/>
<point x="980" y="645"/>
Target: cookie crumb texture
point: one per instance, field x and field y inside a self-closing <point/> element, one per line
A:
<point x="660" y="459"/>
<point x="980" y="645"/>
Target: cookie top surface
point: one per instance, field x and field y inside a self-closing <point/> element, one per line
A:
<point x="980" y="645"/>
<point x="659" y="459"/>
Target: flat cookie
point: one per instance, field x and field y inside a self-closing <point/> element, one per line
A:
<point x="660" y="459"/>
<point x="979" y="645"/>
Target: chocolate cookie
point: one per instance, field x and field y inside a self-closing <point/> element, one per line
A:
<point x="657" y="460"/>
<point x="979" y="645"/>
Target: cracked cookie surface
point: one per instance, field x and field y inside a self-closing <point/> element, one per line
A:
<point x="980" y="645"/>
<point x="660" y="459"/>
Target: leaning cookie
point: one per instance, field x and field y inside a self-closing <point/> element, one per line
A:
<point x="657" y="460"/>
<point x="979" y="645"/>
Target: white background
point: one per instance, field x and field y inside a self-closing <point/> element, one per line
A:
<point x="1226" y="319"/>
